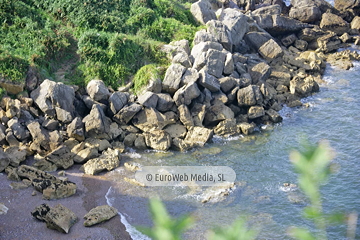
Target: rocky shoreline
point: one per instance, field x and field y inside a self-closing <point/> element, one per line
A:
<point x="238" y="74"/>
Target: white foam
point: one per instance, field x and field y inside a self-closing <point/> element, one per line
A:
<point x="133" y="232"/>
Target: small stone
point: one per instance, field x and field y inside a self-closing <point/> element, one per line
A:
<point x="99" y="214"/>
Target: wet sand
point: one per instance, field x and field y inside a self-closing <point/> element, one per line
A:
<point x="18" y="223"/>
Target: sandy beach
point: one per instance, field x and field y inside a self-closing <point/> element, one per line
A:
<point x="18" y="223"/>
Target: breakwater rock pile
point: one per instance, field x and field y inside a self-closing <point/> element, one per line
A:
<point x="240" y="71"/>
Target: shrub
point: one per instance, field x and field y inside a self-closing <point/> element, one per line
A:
<point x="2" y="93"/>
<point x="12" y="68"/>
<point x="143" y="75"/>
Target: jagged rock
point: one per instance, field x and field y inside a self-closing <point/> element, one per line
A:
<point x="355" y="23"/>
<point x="247" y="128"/>
<point x="185" y="116"/>
<point x="139" y="142"/>
<point x="55" y="100"/>
<point x="236" y="23"/>
<point x="346" y="38"/>
<point x="115" y="131"/>
<point x="99" y="144"/>
<point x="54" y="189"/>
<point x="158" y="140"/>
<point x="50" y="124"/>
<point x="60" y="218"/>
<point x="31" y="173"/>
<point x="165" y="102"/>
<point x="346" y="4"/>
<point x="97" y="125"/>
<point x="176" y="131"/>
<point x="40" y="212"/>
<point x="45" y="165"/>
<point x="39" y="135"/>
<point x="62" y="157"/>
<point x="257" y="39"/>
<point x="2" y="134"/>
<point x="130" y="139"/>
<point x="4" y="160"/>
<point x="12" y="174"/>
<point x="216" y="193"/>
<point x="198" y="112"/>
<point x="182" y="58"/>
<point x="274" y="116"/>
<point x="303" y="87"/>
<point x="249" y="96"/>
<point x="260" y="72"/>
<point x="190" y="76"/>
<point x="186" y="94"/>
<point x="229" y="66"/>
<point x="203" y="36"/>
<point x="305" y="13"/>
<point x="117" y="101"/>
<point x="334" y="23"/>
<point x="268" y="92"/>
<point x="109" y="160"/>
<point x="226" y="128"/>
<point x="202" y="12"/>
<point x="256" y="112"/>
<point x="11" y="139"/>
<point x="148" y="99"/>
<point x="89" y="103"/>
<point x="329" y="42"/>
<point x="221" y="32"/>
<point x="215" y="62"/>
<point x="208" y="81"/>
<point x="217" y="113"/>
<point x="198" y="136"/>
<point x="289" y="40"/>
<point x="270" y="50"/>
<point x="86" y="154"/>
<point x="227" y="84"/>
<point x="99" y="214"/>
<point x="311" y="34"/>
<point x="180" y="144"/>
<point x="149" y="119"/>
<point x="76" y="129"/>
<point x="127" y="113"/>
<point x="199" y="51"/>
<point x="20" y="185"/>
<point x="183" y="45"/>
<point x="219" y="97"/>
<point x="268" y="10"/>
<point x="16" y="154"/>
<point x="301" y="45"/>
<point x="278" y="25"/>
<point x="97" y="90"/>
<point x="172" y="78"/>
<point x="18" y="130"/>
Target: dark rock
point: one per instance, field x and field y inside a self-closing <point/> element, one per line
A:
<point x="76" y="129"/>
<point x="215" y="62"/>
<point x="97" y="125"/>
<point x="256" y="112"/>
<point x="60" y="218"/>
<point x="274" y="116"/>
<point x="19" y="131"/>
<point x="172" y="78"/>
<point x="198" y="112"/>
<point x="176" y="131"/>
<point x="158" y="140"/>
<point x="186" y="94"/>
<point x="256" y="39"/>
<point x="260" y="72"/>
<point x="247" y="128"/>
<point x="249" y="96"/>
<point x="237" y="24"/>
<point x="117" y="101"/>
<point x="227" y="84"/>
<point x="50" y="124"/>
<point x="4" y="160"/>
<point x="268" y="10"/>
<point x="127" y="113"/>
<point x="149" y="119"/>
<point x="148" y="99"/>
<point x="217" y="113"/>
<point x="39" y="135"/>
<point x="208" y="81"/>
<point x="289" y="40"/>
<point x="185" y="116"/>
<point x="62" y="157"/>
<point x="165" y="102"/>
<point x="226" y="128"/>
<point x="40" y="212"/>
<point x="301" y="45"/>
<point x="16" y="154"/>
<point x="270" y="50"/>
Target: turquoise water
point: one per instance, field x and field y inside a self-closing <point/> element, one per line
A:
<point x="262" y="165"/>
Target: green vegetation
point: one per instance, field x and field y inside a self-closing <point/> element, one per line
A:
<point x="113" y="38"/>
<point x="2" y="93"/>
<point x="314" y="168"/>
<point x="143" y="76"/>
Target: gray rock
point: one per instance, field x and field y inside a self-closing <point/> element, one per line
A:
<point x="198" y="112"/>
<point x="268" y="92"/>
<point x="39" y="135"/>
<point x="176" y="131"/>
<point x="268" y="10"/>
<point x="158" y="140"/>
<point x="186" y="94"/>
<point x="16" y="154"/>
<point x="202" y="12"/>
<point x="11" y="139"/>
<point x="115" y="131"/>
<point x="256" y="39"/>
<point x="89" y="103"/>
<point x="55" y="189"/>
<point x="237" y="24"/>
<point x="130" y="139"/>
<point x="217" y="113"/>
<point x="249" y="96"/>
<point x="227" y="128"/>
<point x="86" y="154"/>
<point x="208" y="81"/>
<point x="62" y="157"/>
<point x="97" y="90"/>
<point x="270" y="50"/>
<point x="301" y="45"/>
<point x="198" y="136"/>
<point x="203" y="36"/>
<point x="165" y="102"/>
<point x="221" y="32"/>
<point x="55" y="100"/>
<point x="289" y="40"/>
<point x="185" y="116"/>
<point x="97" y="125"/>
<point x="274" y="116"/>
<point x="256" y="112"/>
<point x="233" y="94"/>
<point x="183" y="59"/>
<point x="117" y="101"/>
<point x="190" y="76"/>
<point x="99" y="214"/>
<point x="148" y="99"/>
<point x="19" y="131"/>
<point x="99" y="144"/>
<point x="2" y="134"/>
<point x="149" y="119"/>
<point x="109" y="160"/>
<point x="60" y="218"/>
<point x="247" y="128"/>
<point x="76" y="129"/>
<point x="306" y="14"/>
<point x="139" y="142"/>
<point x="45" y="165"/>
<point x="229" y="66"/>
<point x="215" y="62"/>
<point x="203" y="47"/>
<point x="50" y="124"/>
<point x="127" y="113"/>
<point x="311" y="34"/>
<point x="260" y="72"/>
<point x="219" y="97"/>
<point x="183" y="45"/>
<point x="334" y="23"/>
<point x="172" y="78"/>
<point x="227" y="84"/>
<point x="4" y="160"/>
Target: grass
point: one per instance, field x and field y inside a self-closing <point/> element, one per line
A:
<point x="144" y="75"/>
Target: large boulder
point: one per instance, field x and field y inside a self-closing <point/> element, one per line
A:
<point x="221" y="32"/>
<point x="176" y="131"/>
<point x="55" y="100"/>
<point x="215" y="62"/>
<point x="236" y="23"/>
<point x="185" y="116"/>
<point x="217" y="113"/>
<point x="97" y="125"/>
<point x="148" y="99"/>
<point x="346" y="4"/>
<point x="99" y="214"/>
<point x="109" y="160"/>
<point x="270" y="50"/>
<point x="172" y="78"/>
<point x="303" y="87"/>
<point x="19" y="131"/>
<point x="54" y="189"/>
<point x="202" y="12"/>
<point x="355" y="23"/>
<point x="158" y="140"/>
<point x="260" y="72"/>
<point x="4" y="160"/>
<point x="16" y="154"/>
<point x="76" y="129"/>
<point x="97" y="90"/>
<point x="127" y="113"/>
<point x="149" y="119"/>
<point x="256" y="112"/>
<point x="334" y="23"/>
<point x="249" y="96"/>
<point x="227" y="128"/>
<point x="306" y="14"/>
<point x="257" y="39"/>
<point x="165" y="102"/>
<point x="186" y="94"/>
<point x="60" y="218"/>
<point x="198" y="136"/>
<point x="209" y="81"/>
<point x="39" y="135"/>
<point x="117" y="101"/>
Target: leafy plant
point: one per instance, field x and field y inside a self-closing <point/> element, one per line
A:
<point x="237" y="231"/>
<point x="143" y="75"/>
<point x="165" y="227"/>
<point x="2" y="93"/>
